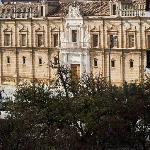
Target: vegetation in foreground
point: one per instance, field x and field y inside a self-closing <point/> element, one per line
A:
<point x="88" y="114"/>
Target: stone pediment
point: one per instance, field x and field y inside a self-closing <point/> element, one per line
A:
<point x="39" y="28"/>
<point x="148" y="29"/>
<point x="7" y="29"/>
<point x="94" y="29"/>
<point x="55" y="28"/>
<point x="131" y="29"/>
<point x="22" y="28"/>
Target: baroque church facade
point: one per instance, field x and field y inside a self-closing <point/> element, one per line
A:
<point x="110" y="38"/>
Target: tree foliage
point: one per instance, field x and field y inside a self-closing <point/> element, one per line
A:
<point x="85" y="114"/>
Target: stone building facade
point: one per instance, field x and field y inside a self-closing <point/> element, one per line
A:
<point x="35" y="36"/>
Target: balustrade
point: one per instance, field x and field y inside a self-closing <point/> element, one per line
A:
<point x="131" y="12"/>
<point x="74" y="44"/>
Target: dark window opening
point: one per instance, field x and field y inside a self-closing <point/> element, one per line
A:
<point x="148" y="41"/>
<point x="148" y="59"/>
<point x="95" y="40"/>
<point x="7" y="39"/>
<point x="147" y="8"/>
<point x="40" y="40"/>
<point x="112" y="63"/>
<point x="74" y="35"/>
<point x="23" y="59"/>
<point x="55" y="60"/>
<point x="113" y="41"/>
<point x="23" y="39"/>
<point x="55" y="40"/>
<point x="95" y="62"/>
<point x="131" y="41"/>
<point x="131" y="63"/>
<point x="114" y="10"/>
<point x="8" y="60"/>
<point x="41" y="10"/>
<point x="40" y="61"/>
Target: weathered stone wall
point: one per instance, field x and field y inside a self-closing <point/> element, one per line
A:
<point x="16" y="71"/>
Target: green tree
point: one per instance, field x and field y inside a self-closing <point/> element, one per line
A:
<point x="82" y="114"/>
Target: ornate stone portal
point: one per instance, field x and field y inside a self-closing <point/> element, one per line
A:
<point x="74" y="41"/>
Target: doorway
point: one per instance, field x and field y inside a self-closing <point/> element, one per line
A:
<point x="75" y="70"/>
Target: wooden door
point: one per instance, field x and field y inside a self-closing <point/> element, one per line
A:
<point x="75" y="70"/>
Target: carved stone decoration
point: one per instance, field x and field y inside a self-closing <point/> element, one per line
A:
<point x="74" y="11"/>
<point x="6" y="28"/>
<point x="22" y="28"/>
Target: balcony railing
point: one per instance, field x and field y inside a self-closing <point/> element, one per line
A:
<point x="131" y="12"/>
<point x="74" y="44"/>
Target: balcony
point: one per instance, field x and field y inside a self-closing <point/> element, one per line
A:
<point x="74" y="45"/>
<point x="131" y="12"/>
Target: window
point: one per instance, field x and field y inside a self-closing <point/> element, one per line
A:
<point x="95" y="40"/>
<point x="41" y="10"/>
<point x="148" y="59"/>
<point x="114" y="9"/>
<point x="39" y="40"/>
<point x="130" y="40"/>
<point x="55" y="60"/>
<point x="95" y="62"/>
<point x="147" y="8"/>
<point x="112" y="63"/>
<point x="131" y="63"/>
<point x="55" y="36"/>
<point x="74" y="35"/>
<point x="7" y="40"/>
<point x="23" y="59"/>
<point x="23" y="39"/>
<point x="113" y="41"/>
<point x="148" y="41"/>
<point x="40" y="61"/>
<point x="8" y="60"/>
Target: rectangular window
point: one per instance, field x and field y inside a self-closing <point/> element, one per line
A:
<point x="41" y="10"/>
<point x="95" y="62"/>
<point x="131" y="41"/>
<point x="8" y="60"/>
<point x="112" y="63"/>
<point x="131" y="63"/>
<point x="148" y="41"/>
<point x="23" y="59"/>
<point x="74" y="35"/>
<point x="114" y="10"/>
<point x="148" y="59"/>
<point x="55" y="36"/>
<point x="55" y="61"/>
<point x="95" y="40"/>
<point x="23" y="39"/>
<point x="39" y="40"/>
<point x="115" y="40"/>
<point x="40" y="61"/>
<point x="7" y="40"/>
<point x="147" y="8"/>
